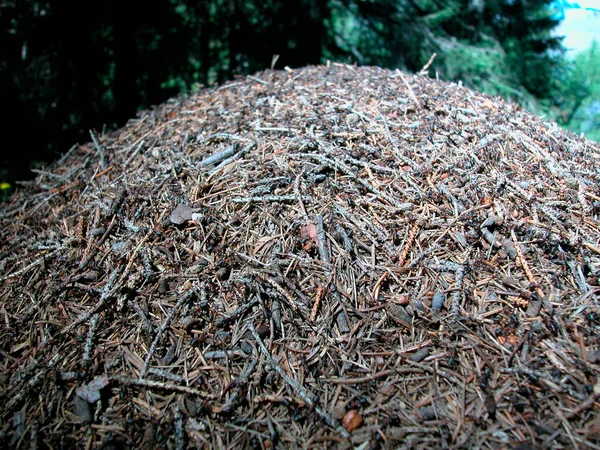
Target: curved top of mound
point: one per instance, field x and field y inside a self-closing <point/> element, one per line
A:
<point x="325" y="254"/>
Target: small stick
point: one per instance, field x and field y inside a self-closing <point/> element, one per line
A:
<point x="293" y="383"/>
<point x="340" y="317"/>
<point x="105" y="235"/>
<point x="107" y="292"/>
<point x="347" y="242"/>
<point x="459" y="276"/>
<point x="586" y="209"/>
<point x="409" y="242"/>
<point x="298" y="196"/>
<point x="315" y="308"/>
<point x="89" y="342"/>
<point x="354" y="220"/>
<point x="304" y="395"/>
<point x="38" y="261"/>
<point x="258" y="80"/>
<point x="568" y="236"/>
<point x="524" y="264"/>
<point x="578" y="276"/>
<point x="231" y="159"/>
<point x="218" y="157"/>
<point x="378" y="285"/>
<point x="348" y="171"/>
<point x="165" y="374"/>
<point x="148" y="269"/>
<point x="279" y="129"/>
<point x="375" y="167"/>
<point x="140" y="312"/>
<point x="270" y="198"/>
<point x="135" y="253"/>
<point x="410" y="91"/>
<point x="26" y="389"/>
<point x="134" y="154"/>
<point x="92" y="226"/>
<point x="320" y="293"/>
<point x="423" y="71"/>
<point x="185" y="297"/>
<point x="237" y="312"/>
<point x="292" y="302"/>
<point x="443" y="189"/>
<point x="322" y="243"/>
<point x="118" y="200"/>
<point x="517" y="189"/>
<point x="591" y="247"/>
<point x="366" y="379"/>
<point x="223" y="354"/>
<point x="218" y="136"/>
<point x="285" y="281"/>
<point x="588" y="403"/>
<point x="242" y="379"/>
<point x="80" y="232"/>
<point x="402" y="158"/>
<point x="551" y="214"/>
<point x="160" y="385"/>
<point x="276" y="314"/>
<point x="456" y="294"/>
<point x="99" y="149"/>
<point x="179" y="429"/>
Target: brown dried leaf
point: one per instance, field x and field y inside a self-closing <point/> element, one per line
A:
<point x="308" y="236"/>
<point x="91" y="391"/>
<point x="182" y="213"/>
<point x="352" y="420"/>
<point x="83" y="410"/>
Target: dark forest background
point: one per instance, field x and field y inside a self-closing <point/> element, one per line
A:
<point x="71" y="66"/>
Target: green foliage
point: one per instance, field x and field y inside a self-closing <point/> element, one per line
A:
<point x="67" y="71"/>
<point x="5" y="189"/>
<point x="502" y="47"/>
<point x="577" y="103"/>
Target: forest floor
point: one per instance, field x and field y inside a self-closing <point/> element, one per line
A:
<point x="328" y="257"/>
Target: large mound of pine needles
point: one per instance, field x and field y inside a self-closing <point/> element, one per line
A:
<point x="329" y="257"/>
